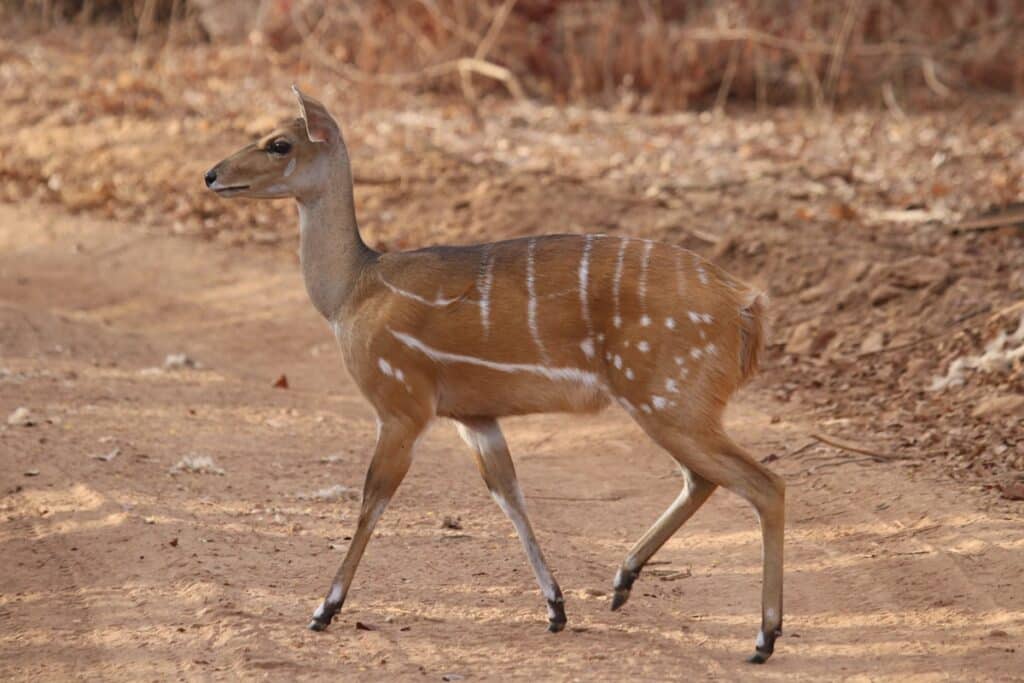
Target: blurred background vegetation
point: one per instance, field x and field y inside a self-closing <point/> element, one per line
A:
<point x="645" y="56"/>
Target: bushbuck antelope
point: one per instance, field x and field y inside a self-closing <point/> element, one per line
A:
<point x="539" y="324"/>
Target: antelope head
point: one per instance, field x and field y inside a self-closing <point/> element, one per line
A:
<point x="294" y="160"/>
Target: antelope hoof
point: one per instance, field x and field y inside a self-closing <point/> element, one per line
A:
<point x="623" y="584"/>
<point x="322" y="616"/>
<point x="556" y="615"/>
<point x="317" y="625"/>
<point x="765" y="646"/>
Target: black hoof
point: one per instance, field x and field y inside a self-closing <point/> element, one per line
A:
<point x="765" y="646"/>
<point x="556" y="615"/>
<point x="623" y="584"/>
<point x="316" y="625"/>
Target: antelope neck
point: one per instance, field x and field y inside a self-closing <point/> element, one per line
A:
<point x="331" y="250"/>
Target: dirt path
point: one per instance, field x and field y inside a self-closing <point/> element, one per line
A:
<point x="119" y="570"/>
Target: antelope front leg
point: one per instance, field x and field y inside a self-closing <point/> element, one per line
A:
<point x="492" y="457"/>
<point x="391" y="460"/>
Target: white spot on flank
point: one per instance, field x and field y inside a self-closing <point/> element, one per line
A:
<point x="483" y="284"/>
<point x="659" y="402"/>
<point x="617" y="282"/>
<point x="399" y="375"/>
<point x="600" y="338"/>
<point x="618" y="361"/>
<point x="683" y="372"/>
<point x="608" y="356"/>
<point x="710" y="349"/>
<point x="694" y="317"/>
<point x="706" y="318"/>
<point x="680" y="360"/>
<point x="626" y="404"/>
<point x="588" y="347"/>
<point x="385" y="367"/>
<point x="671" y="386"/>
<point x="553" y="373"/>
<point x="701" y="275"/>
<point x="629" y="373"/>
<point x="531" y="305"/>
<point x="703" y="335"/>
<point x="646" y="408"/>
<point x="643" y="346"/>
<point x="670" y="323"/>
<point x="645" y="320"/>
<point x="696" y="354"/>
<point x="290" y="168"/>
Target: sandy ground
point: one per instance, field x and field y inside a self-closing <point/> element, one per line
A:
<point x="120" y="570"/>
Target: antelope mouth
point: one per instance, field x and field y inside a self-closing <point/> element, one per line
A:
<point x="229" y="190"/>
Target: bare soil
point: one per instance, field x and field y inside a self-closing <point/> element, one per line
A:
<point x="123" y="569"/>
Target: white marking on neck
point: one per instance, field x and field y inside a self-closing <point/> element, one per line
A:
<point x="584" y="301"/>
<point x="290" y="168"/>
<point x="617" y="282"/>
<point x="531" y="304"/>
<point x="565" y="374"/>
<point x="439" y="300"/>
<point x="484" y="282"/>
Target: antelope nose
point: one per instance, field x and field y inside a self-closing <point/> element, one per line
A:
<point x="210" y="177"/>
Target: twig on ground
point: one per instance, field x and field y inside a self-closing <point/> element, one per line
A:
<point x="831" y="441"/>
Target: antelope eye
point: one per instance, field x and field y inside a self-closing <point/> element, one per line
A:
<point x="281" y="147"/>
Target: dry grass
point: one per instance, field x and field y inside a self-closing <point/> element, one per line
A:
<point x="635" y="56"/>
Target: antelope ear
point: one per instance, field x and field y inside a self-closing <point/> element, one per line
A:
<point x="320" y="125"/>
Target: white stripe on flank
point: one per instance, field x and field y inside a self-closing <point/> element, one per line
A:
<point x="584" y="274"/>
<point x="554" y="374"/>
<point x="648" y="245"/>
<point x="617" y="282"/>
<point x="531" y="304"/>
<point x="437" y="301"/>
<point x="483" y="284"/>
<point x="587" y="344"/>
